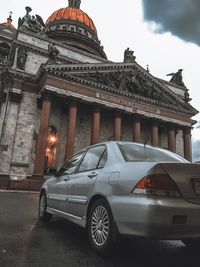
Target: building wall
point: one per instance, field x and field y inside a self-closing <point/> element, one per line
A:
<point x="127" y="128"/>
<point x="106" y="125"/>
<point x="22" y="122"/>
<point x="8" y="136"/>
<point x="163" y="138"/>
<point x="83" y="126"/>
<point x="23" y="146"/>
<point x="145" y="132"/>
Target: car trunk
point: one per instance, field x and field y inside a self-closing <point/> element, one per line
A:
<point x="187" y="178"/>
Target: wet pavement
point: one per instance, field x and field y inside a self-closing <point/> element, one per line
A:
<point x="26" y="242"/>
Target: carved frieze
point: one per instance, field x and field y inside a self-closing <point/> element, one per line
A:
<point x="128" y="81"/>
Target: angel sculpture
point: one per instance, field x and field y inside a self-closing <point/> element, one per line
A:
<point x="128" y="56"/>
<point x="177" y="77"/>
<point x="53" y="52"/>
<point x="21" y="58"/>
<point x="24" y="22"/>
<point x="32" y="23"/>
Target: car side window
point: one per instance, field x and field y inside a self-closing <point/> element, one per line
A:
<point x="70" y="166"/>
<point x="103" y="159"/>
<point x="92" y="158"/>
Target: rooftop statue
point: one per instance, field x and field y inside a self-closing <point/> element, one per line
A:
<point x="32" y="23"/>
<point x="128" y="56"/>
<point x="21" y="58"/>
<point x="177" y="77"/>
<point x="53" y="52"/>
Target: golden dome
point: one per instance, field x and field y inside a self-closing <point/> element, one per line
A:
<point x="71" y="13"/>
<point x="72" y="26"/>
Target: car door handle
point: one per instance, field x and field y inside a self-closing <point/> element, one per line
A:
<point x="66" y="179"/>
<point x="92" y="175"/>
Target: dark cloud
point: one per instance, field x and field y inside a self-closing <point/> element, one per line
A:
<point x="180" y="17"/>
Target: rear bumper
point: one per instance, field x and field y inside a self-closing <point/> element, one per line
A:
<point x="151" y="217"/>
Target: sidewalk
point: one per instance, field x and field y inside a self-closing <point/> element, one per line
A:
<point x="21" y="185"/>
<point x="18" y="191"/>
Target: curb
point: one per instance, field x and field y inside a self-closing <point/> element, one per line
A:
<point x="18" y="191"/>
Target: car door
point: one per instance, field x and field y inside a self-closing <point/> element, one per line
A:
<point x="82" y="181"/>
<point x="58" y="194"/>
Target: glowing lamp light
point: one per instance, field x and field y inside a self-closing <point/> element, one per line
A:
<point x="52" y="139"/>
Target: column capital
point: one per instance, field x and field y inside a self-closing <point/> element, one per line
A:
<point x="118" y="112"/>
<point x="187" y="130"/>
<point x="154" y="122"/>
<point x="172" y="126"/>
<point x="73" y="103"/>
<point x="45" y="95"/>
<point x="96" y="107"/>
<point x="137" y="117"/>
<point x="70" y="101"/>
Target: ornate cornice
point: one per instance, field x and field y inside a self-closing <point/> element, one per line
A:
<point x="150" y="90"/>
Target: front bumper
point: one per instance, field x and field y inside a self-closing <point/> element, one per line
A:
<point x="153" y="217"/>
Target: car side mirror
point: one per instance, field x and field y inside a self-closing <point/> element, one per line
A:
<point x="58" y="172"/>
<point x="53" y="171"/>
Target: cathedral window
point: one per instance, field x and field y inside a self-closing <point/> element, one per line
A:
<point x="4" y="51"/>
<point x="61" y="27"/>
<point x="72" y="28"/>
<point x="81" y="30"/>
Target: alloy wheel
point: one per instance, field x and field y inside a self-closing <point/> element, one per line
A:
<point x="42" y="205"/>
<point x="100" y="226"/>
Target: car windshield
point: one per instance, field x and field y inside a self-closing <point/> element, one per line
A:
<point x="138" y="152"/>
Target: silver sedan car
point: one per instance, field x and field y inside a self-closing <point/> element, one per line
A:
<point x="129" y="189"/>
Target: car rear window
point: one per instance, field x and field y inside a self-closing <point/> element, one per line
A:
<point x="138" y="152"/>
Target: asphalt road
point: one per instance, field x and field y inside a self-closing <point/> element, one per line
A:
<point x="26" y="242"/>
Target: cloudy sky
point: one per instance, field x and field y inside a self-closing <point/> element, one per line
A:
<point x="165" y="34"/>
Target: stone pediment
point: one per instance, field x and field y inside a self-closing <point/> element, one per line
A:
<point x="128" y="80"/>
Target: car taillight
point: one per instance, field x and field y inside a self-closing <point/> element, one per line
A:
<point x="157" y="184"/>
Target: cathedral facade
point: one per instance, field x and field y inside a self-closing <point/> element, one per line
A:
<point x="60" y="93"/>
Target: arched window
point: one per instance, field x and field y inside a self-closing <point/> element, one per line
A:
<point x="52" y="139"/>
<point x="4" y="50"/>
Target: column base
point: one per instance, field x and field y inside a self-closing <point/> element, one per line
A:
<point x="4" y="176"/>
<point x="37" y="177"/>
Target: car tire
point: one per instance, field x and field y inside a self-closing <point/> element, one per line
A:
<point x="100" y="227"/>
<point x="42" y="212"/>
